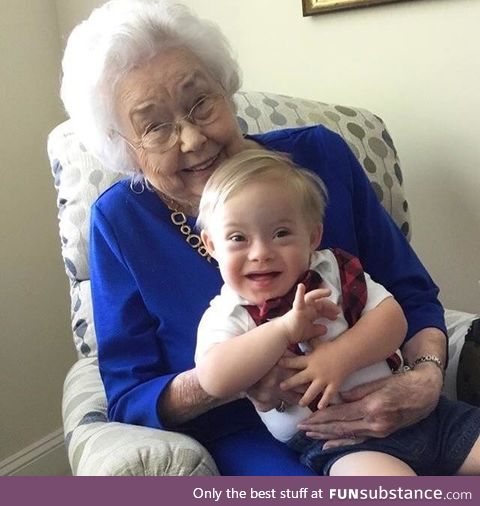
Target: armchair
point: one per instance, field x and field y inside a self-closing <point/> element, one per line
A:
<point x="99" y="447"/>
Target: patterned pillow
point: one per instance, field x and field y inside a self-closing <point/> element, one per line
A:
<point x="79" y="179"/>
<point x="365" y="133"/>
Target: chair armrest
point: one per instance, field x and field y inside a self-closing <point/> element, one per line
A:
<point x="117" y="449"/>
<point x="100" y="448"/>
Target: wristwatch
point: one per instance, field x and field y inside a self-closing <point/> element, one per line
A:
<point x="430" y="358"/>
<point x="424" y="359"/>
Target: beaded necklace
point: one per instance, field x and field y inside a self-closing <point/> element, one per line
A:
<point x="194" y="240"/>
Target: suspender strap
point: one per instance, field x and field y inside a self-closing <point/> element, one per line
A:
<point x="354" y="286"/>
<point x="354" y="294"/>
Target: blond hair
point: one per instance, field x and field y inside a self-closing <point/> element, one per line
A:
<point x="254" y="165"/>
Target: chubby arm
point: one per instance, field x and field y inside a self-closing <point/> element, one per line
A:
<point x="375" y="336"/>
<point x="234" y="365"/>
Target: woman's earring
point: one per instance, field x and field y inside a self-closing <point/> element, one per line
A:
<point x="137" y="187"/>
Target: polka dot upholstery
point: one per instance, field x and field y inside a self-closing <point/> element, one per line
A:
<point x="365" y="133"/>
<point x="96" y="446"/>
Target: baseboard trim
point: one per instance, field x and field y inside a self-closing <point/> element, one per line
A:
<point x="45" y="457"/>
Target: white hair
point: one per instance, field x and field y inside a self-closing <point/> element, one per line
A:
<point x="116" y="37"/>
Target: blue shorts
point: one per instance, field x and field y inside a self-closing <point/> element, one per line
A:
<point x="435" y="446"/>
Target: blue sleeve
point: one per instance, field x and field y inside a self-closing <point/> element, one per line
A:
<point x="131" y="363"/>
<point x="388" y="257"/>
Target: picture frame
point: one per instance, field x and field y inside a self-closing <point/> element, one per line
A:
<point x="313" y="7"/>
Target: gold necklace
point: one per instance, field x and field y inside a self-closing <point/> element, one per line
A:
<point x="179" y="219"/>
<point x="194" y="240"/>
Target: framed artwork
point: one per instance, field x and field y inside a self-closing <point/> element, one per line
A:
<point x="311" y="7"/>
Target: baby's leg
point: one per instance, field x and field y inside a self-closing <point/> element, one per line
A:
<point x="370" y="463"/>
<point x="471" y="466"/>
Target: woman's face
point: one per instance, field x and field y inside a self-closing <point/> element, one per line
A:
<point x="164" y="90"/>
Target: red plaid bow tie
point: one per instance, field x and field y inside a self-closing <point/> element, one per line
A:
<point x="278" y="306"/>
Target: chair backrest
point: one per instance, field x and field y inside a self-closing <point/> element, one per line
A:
<point x="80" y="179"/>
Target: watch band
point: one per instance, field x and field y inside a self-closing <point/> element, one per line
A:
<point x="429" y="358"/>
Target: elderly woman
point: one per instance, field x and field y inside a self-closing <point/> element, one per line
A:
<point x="150" y="87"/>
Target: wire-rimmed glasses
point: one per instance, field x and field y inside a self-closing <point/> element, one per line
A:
<point x="161" y="137"/>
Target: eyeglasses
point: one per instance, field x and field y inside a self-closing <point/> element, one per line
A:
<point x="163" y="136"/>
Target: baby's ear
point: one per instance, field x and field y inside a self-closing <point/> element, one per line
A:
<point x="316" y="236"/>
<point x="207" y="241"/>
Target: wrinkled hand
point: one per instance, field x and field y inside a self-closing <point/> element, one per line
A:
<point x="322" y="370"/>
<point x="266" y="393"/>
<point x="300" y="322"/>
<point x="377" y="409"/>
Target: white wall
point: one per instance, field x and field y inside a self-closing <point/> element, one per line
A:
<point x="417" y="65"/>
<point x="36" y="345"/>
<point x="72" y="12"/>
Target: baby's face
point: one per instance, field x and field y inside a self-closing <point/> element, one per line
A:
<point x="261" y="241"/>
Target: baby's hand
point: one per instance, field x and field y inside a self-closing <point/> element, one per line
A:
<point x="299" y="322"/>
<point x="324" y="306"/>
<point x="324" y="370"/>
